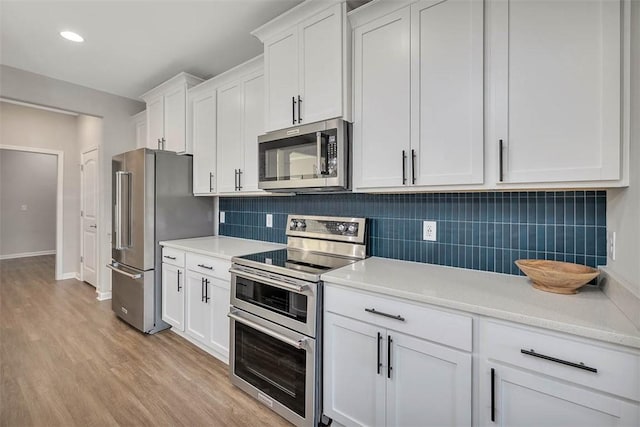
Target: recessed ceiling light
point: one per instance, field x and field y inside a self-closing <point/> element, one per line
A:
<point x="70" y="35"/>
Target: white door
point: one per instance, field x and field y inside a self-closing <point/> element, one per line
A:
<point x="354" y="371"/>
<point x="89" y="217"/>
<point x="253" y="125"/>
<point x="219" y="293"/>
<point x="556" y="81"/>
<point x="320" y="66"/>
<point x="197" y="309"/>
<point x="173" y="295"/>
<point x="175" y="116"/>
<point x="430" y="385"/>
<point x="230" y="144"/>
<point x="528" y="399"/>
<point x="447" y="92"/>
<point x="281" y="72"/>
<point x="155" y="122"/>
<point x="382" y="84"/>
<point x="202" y="131"/>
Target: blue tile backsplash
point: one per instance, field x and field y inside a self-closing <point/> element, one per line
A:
<point x="480" y="231"/>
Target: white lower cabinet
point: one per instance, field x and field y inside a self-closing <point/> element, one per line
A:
<point x="195" y="301"/>
<point x="173" y="295"/>
<point x="379" y="376"/>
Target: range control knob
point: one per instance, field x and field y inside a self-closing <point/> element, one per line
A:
<point x="301" y="224"/>
<point x="292" y="224"/>
<point x="342" y="227"/>
<point x="352" y="228"/>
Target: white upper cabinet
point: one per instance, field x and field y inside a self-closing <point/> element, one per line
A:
<point x="556" y="78"/>
<point x="201" y="134"/>
<point x="167" y="114"/>
<point x="306" y="65"/>
<point x="240" y="119"/>
<point x="140" y="126"/>
<point x="418" y="88"/>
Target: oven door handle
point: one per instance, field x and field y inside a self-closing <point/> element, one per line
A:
<point x="286" y="286"/>
<point x="299" y="344"/>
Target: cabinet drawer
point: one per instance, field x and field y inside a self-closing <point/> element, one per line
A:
<point x="618" y="372"/>
<point x="215" y="267"/>
<point x="173" y="257"/>
<point x="438" y="326"/>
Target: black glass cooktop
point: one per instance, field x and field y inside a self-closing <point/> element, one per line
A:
<point x="292" y="259"/>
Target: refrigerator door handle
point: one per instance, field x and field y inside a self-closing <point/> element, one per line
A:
<point x="123" y="204"/>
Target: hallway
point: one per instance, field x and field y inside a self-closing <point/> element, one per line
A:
<point x="65" y="359"/>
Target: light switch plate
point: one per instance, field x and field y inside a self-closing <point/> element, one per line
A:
<point x="429" y="231"/>
<point x="269" y="220"/>
<point x="222" y="217"/>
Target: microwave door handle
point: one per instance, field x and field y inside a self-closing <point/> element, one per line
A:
<point x="299" y="344"/>
<point x="321" y="168"/>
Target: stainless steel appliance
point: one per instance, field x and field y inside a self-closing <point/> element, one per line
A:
<point x="276" y="318"/>
<point x="313" y="157"/>
<point x="152" y="201"/>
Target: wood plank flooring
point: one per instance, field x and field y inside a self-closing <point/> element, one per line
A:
<point x="66" y="360"/>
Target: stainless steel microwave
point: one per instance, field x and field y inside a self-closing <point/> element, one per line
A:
<point x="312" y="157"/>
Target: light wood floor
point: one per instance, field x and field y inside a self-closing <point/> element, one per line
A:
<point x="66" y="360"/>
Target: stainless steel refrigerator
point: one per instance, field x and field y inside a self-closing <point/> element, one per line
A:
<point x="152" y="201"/>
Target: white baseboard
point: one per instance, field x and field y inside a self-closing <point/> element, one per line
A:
<point x="27" y="254"/>
<point x="78" y="277"/>
<point x="103" y="296"/>
<point x="66" y="276"/>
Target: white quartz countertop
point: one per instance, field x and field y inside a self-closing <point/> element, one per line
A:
<point x="221" y="246"/>
<point x="589" y="313"/>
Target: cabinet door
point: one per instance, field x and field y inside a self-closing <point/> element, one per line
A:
<point x="155" y="122"/>
<point x="528" y="399"/>
<point x="219" y="339"/>
<point x="281" y="79"/>
<point x="202" y="133"/>
<point x="321" y="66"/>
<point x="354" y="371"/>
<point x="197" y="309"/>
<point x="173" y="296"/>
<point x="175" y="116"/>
<point x="382" y="101"/>
<point x="141" y="132"/>
<point x="556" y="80"/>
<point x="253" y="125"/>
<point x="447" y="92"/>
<point x="230" y="144"/>
<point x="430" y="384"/>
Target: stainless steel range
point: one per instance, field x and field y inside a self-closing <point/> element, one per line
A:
<point x="276" y="319"/>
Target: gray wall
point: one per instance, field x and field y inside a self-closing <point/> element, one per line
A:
<point x="30" y="127"/>
<point x="117" y="134"/>
<point x="623" y="205"/>
<point x="27" y="179"/>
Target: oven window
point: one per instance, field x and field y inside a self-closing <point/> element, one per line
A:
<point x="273" y="367"/>
<point x="277" y="300"/>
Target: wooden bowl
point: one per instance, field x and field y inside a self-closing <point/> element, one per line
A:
<point x="555" y="276"/>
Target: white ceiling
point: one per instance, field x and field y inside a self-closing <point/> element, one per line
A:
<point x="132" y="46"/>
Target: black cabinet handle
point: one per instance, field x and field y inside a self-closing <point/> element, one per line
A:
<point x="293" y="109"/>
<point x="299" y="109"/>
<point x="210" y="184"/>
<point x="381" y="313"/>
<point x="413" y="166"/>
<point x="378" y="344"/>
<point x="493" y="395"/>
<point x="389" y="368"/>
<point x="206" y="291"/>
<point x="239" y="179"/>
<point x="556" y="360"/>
<point x="501" y="159"/>
<point x="170" y="257"/>
<point x="179" y="287"/>
<point x="404" y="168"/>
<point x="202" y="289"/>
<point x="208" y="267"/>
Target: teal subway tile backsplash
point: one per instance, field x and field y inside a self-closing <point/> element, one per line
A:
<point x="480" y="231"/>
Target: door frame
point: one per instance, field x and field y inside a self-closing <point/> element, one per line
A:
<point x="59" y="202"/>
<point x="81" y="272"/>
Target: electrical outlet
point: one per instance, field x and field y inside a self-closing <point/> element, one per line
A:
<point x="429" y="231"/>
<point x="611" y="245"/>
<point x="222" y="217"/>
<point x="23" y="207"/>
<point x="269" y="220"/>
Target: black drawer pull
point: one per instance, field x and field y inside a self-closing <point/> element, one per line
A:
<point x="205" y="266"/>
<point x="170" y="257"/>
<point x="563" y="362"/>
<point x="380" y="313"/>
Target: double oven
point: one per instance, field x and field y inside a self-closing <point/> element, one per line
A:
<point x="276" y="314"/>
